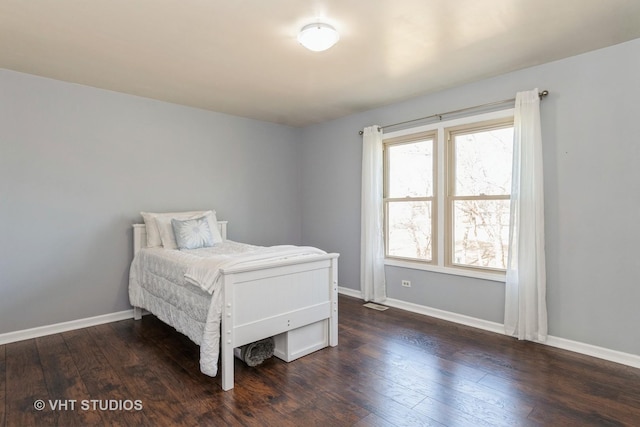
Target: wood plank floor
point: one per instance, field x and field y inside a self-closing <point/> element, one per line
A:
<point x="391" y="368"/>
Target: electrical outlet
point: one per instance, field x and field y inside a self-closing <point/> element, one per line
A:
<point x="406" y="283"/>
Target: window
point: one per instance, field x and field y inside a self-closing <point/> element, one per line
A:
<point x="447" y="194"/>
<point x="479" y="187"/>
<point x="409" y="196"/>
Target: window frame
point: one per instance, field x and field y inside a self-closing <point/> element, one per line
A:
<point x="386" y="200"/>
<point x="450" y="176"/>
<point x="439" y="262"/>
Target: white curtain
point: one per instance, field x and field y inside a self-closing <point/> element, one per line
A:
<point x="525" y="300"/>
<point x="372" y="282"/>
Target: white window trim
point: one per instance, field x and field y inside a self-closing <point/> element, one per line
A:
<point x="439" y="266"/>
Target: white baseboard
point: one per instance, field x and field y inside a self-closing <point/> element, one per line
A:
<point x="446" y="315"/>
<point x="594" y="351"/>
<point x="57" y="328"/>
<point x="349" y="292"/>
<point x="563" y="343"/>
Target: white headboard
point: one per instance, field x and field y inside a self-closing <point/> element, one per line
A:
<point x="140" y="235"/>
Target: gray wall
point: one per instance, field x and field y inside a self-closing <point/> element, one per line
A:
<point x="78" y="164"/>
<point x="591" y="123"/>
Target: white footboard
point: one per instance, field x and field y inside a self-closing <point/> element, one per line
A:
<point x="261" y="302"/>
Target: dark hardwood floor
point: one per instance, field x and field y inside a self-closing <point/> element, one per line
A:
<point x="390" y="368"/>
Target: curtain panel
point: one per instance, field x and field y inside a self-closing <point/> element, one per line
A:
<point x="525" y="299"/>
<point x="372" y="280"/>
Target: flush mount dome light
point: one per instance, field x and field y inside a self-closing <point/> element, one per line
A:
<point x="318" y="37"/>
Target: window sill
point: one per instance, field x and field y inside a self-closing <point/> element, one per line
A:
<point x="495" y="277"/>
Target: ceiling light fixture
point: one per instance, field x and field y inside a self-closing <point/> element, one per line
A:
<point x="318" y="37"/>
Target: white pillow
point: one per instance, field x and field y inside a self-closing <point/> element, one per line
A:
<point x="153" y="232"/>
<point x="166" y="229"/>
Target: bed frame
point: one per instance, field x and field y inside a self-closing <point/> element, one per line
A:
<point x="303" y="315"/>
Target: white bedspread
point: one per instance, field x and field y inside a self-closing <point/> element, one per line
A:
<point x="206" y="272"/>
<point x="183" y="288"/>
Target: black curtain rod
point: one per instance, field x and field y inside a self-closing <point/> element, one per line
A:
<point x="439" y="116"/>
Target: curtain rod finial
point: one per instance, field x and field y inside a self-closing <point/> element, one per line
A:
<point x="543" y="93"/>
<point x="362" y="131"/>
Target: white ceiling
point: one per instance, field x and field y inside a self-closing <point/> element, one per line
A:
<point x="241" y="57"/>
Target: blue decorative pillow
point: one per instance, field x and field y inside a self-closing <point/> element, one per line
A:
<point x="192" y="233"/>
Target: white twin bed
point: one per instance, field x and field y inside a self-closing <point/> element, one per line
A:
<point x="231" y="294"/>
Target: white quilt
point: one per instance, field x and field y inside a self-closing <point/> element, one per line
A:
<point x="183" y="288"/>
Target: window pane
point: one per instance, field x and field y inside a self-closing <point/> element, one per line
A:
<point x="483" y="162"/>
<point x="409" y="230"/>
<point x="481" y="233"/>
<point x="410" y="171"/>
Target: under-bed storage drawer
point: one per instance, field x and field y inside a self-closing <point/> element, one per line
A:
<point x="299" y="342"/>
